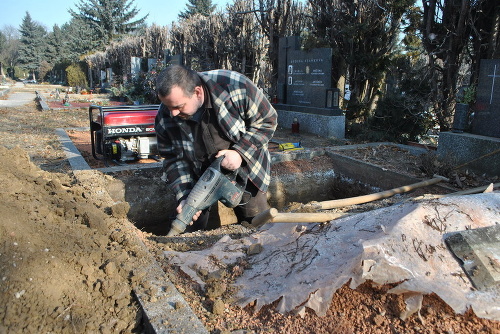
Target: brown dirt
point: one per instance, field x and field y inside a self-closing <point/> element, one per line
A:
<point x="77" y="104"/>
<point x="68" y="253"/>
<point x="65" y="264"/>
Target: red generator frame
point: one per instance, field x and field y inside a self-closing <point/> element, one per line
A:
<point x="123" y="133"/>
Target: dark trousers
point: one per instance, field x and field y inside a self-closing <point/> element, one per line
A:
<point x="253" y="203"/>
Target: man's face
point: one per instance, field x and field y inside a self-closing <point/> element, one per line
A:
<point x="181" y="105"/>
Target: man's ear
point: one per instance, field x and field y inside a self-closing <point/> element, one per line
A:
<point x="198" y="90"/>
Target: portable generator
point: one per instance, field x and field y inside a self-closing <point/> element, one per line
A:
<point x="123" y="133"/>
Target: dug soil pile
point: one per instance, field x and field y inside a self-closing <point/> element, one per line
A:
<point x="66" y="259"/>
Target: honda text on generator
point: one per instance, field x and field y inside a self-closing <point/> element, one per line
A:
<point x="123" y="133"/>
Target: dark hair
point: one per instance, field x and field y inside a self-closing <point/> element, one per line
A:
<point x="177" y="75"/>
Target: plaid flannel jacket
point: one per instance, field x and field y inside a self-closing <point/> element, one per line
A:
<point x="244" y="114"/>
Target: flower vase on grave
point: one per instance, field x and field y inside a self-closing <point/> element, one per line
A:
<point x="295" y="126"/>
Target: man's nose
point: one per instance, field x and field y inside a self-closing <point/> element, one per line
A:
<point x="175" y="112"/>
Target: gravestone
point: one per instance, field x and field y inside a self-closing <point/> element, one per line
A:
<point x="309" y="76"/>
<point x="109" y="75"/>
<point x="151" y="63"/>
<point x="476" y="250"/>
<point x="479" y="150"/>
<point x="135" y="66"/>
<point x="305" y="79"/>
<point x="171" y="59"/>
<point x="486" y="121"/>
<point x="305" y="93"/>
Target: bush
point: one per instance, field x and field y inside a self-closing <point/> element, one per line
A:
<point x="20" y="72"/>
<point x="75" y="74"/>
<point x="398" y="119"/>
<point x="143" y="87"/>
<point x="120" y="92"/>
<point x="432" y="164"/>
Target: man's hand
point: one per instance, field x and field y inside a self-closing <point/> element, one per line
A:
<point x="179" y="209"/>
<point x="232" y="161"/>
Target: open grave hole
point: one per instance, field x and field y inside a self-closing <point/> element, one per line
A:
<point x="297" y="178"/>
<point x="152" y="205"/>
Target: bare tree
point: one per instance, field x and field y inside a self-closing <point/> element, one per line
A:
<point x="457" y="34"/>
<point x="485" y="21"/>
<point x="154" y="41"/>
<point x="197" y="37"/>
<point x="279" y="18"/>
<point x="247" y="43"/>
<point x="149" y="44"/>
<point x="9" y="52"/>
<point x="363" y="35"/>
<point x="446" y="32"/>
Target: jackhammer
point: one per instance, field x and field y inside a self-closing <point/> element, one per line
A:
<point x="213" y="186"/>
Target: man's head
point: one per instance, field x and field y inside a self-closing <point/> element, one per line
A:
<point x="180" y="90"/>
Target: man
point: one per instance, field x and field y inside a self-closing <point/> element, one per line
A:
<point x="209" y="114"/>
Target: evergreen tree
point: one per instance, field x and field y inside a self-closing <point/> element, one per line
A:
<point x="203" y="7"/>
<point x="54" y="45"/>
<point x="31" y="48"/>
<point x="110" y="19"/>
<point x="78" y="39"/>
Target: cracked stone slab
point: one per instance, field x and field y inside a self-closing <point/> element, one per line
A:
<point x="478" y="252"/>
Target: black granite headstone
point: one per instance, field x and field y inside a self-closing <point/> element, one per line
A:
<point x="309" y="77"/>
<point x="286" y="44"/>
<point x="486" y="120"/>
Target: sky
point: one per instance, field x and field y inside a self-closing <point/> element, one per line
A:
<point x="50" y="12"/>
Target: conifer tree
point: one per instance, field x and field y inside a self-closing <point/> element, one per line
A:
<point x="79" y="39"/>
<point x="203" y="7"/>
<point x="31" y="48"/>
<point x="54" y="50"/>
<point x="110" y="19"/>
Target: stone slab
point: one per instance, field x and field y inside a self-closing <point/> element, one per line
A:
<point x="480" y="154"/>
<point x="165" y="308"/>
<point x="42" y="101"/>
<point x="309" y="110"/>
<point x="478" y="252"/>
<point x="325" y="126"/>
<point x="75" y="159"/>
<point x="374" y="175"/>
